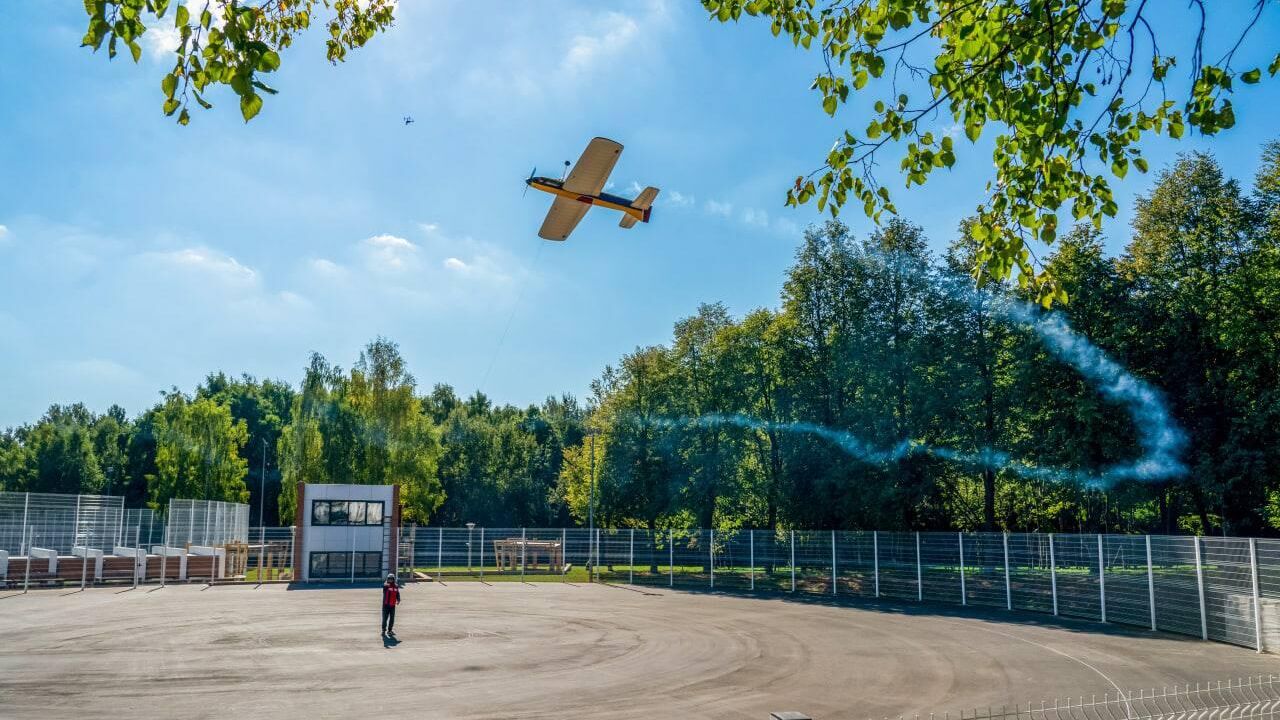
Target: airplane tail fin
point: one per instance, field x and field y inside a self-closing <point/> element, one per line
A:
<point x="643" y="203"/>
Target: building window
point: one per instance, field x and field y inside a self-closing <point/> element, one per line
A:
<point x="346" y="565"/>
<point x="346" y="512"/>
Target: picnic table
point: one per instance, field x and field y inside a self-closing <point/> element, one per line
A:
<point x="508" y="552"/>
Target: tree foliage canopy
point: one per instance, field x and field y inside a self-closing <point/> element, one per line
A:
<point x="1073" y="89"/>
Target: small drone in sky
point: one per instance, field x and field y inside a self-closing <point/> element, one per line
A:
<point x="582" y="187"/>
<point x="408" y="120"/>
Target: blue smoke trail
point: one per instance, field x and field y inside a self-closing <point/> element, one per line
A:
<point x="1159" y="437"/>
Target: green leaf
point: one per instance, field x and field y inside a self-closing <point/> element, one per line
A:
<point x="270" y="61"/>
<point x="1251" y="76"/>
<point x="136" y="50"/>
<point x="182" y="16"/>
<point x="829" y="104"/>
<point x="184" y="117"/>
<point x="250" y="104"/>
<point x="170" y="106"/>
<point x="169" y="84"/>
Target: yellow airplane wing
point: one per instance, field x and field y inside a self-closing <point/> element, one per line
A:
<point x="592" y="170"/>
<point x="562" y="218"/>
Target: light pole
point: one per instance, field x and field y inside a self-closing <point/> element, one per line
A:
<point x="470" y="525"/>
<point x="591" y="503"/>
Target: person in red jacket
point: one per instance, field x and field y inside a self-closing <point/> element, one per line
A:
<point x="390" y="599"/>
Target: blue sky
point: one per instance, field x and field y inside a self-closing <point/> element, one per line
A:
<point x="136" y="255"/>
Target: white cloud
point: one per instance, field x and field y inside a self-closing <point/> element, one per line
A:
<point x="428" y="228"/>
<point x="786" y="226"/>
<point x="675" y="198"/>
<point x="612" y="33"/>
<point x="753" y="216"/>
<point x="209" y="264"/>
<point x="715" y="207"/>
<point x="454" y="263"/>
<point x="326" y="268"/>
<point x="389" y="253"/>
<point x="161" y="40"/>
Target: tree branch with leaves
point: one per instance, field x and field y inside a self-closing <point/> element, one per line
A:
<point x="1066" y="81"/>
<point x="231" y="43"/>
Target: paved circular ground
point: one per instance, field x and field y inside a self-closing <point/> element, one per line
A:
<point x="469" y="650"/>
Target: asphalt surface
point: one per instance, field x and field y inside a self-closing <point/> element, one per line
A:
<point x="469" y="650"/>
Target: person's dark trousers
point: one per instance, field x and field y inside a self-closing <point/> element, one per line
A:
<point x="388" y="618"/>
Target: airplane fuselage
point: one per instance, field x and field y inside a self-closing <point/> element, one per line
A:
<point x="605" y="200"/>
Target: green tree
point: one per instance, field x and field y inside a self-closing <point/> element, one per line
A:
<point x="365" y="427"/>
<point x="264" y="407"/>
<point x="1074" y="88"/>
<point x="231" y="43"/>
<point x="61" y="453"/>
<point x="198" y="452"/>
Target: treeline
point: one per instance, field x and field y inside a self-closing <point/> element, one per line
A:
<point x="729" y="424"/>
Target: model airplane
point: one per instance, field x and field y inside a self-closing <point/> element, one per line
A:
<point x="583" y="187"/>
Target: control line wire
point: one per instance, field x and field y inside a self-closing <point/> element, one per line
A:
<point x="537" y="255"/>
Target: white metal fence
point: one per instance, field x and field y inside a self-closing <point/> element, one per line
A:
<point x="1242" y="699"/>
<point x="207" y="522"/>
<point x="1224" y="589"/>
<point x="59" y="522"/>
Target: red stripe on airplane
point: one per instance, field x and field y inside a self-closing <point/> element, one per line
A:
<point x="586" y="199"/>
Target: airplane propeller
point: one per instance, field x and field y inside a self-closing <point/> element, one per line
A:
<point x="532" y="172"/>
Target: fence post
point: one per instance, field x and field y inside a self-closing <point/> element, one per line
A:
<point x="1008" y="587"/>
<point x="919" y="572"/>
<point x="413" y="550"/>
<point x="1102" y="578"/>
<point x="29" y="539"/>
<point x="523" y="543"/>
<point x="262" y="551"/>
<point x="1257" y="611"/>
<point x="875" y="558"/>
<point x="439" y="553"/>
<point x="26" y="506"/>
<point x="1204" y="623"/>
<point x="564" y="552"/>
<point x="793" y="561"/>
<point x="671" y="558"/>
<point x="482" y="554"/>
<point x="631" y="559"/>
<point x="711" y="557"/>
<point x="964" y="600"/>
<point x="751" y="540"/>
<point x="136" y="532"/>
<point x="1053" y="575"/>
<point x="164" y="560"/>
<point x="833" y="562"/>
<point x="596" y="565"/>
<point x="1151" y="585"/>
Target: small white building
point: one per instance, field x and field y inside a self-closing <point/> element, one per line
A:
<point x="346" y="532"/>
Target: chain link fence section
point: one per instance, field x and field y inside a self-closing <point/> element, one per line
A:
<point x="1252" y="698"/>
